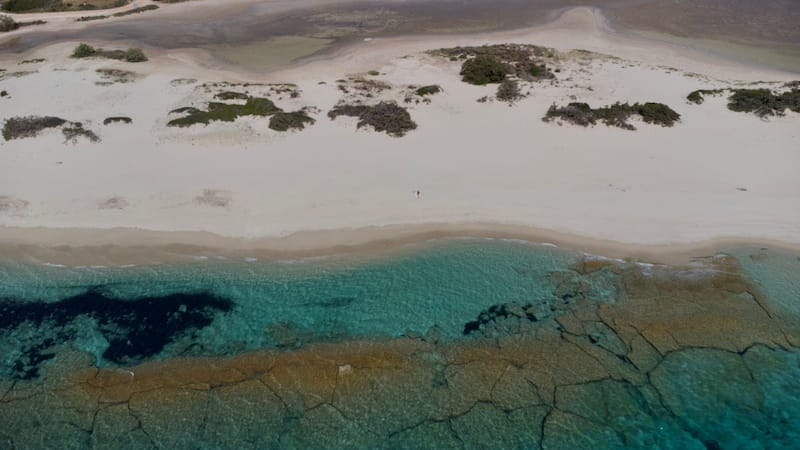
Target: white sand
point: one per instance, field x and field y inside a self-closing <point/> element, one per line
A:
<point x="473" y="162"/>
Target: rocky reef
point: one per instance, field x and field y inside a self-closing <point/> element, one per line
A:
<point x="628" y="356"/>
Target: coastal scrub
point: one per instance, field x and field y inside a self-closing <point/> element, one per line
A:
<point x="132" y="55"/>
<point x="483" y="69"/>
<point x="616" y="115"/>
<point x="223" y="112"/>
<point x="285" y="121"/>
<point x="386" y="117"/>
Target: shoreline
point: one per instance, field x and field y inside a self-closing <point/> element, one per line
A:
<point x="123" y="246"/>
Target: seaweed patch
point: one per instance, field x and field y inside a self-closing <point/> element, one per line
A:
<point x="135" y="329"/>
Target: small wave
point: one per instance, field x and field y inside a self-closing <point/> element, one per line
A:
<point x="47" y="264"/>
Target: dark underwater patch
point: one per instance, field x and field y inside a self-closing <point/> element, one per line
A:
<point x="135" y="328"/>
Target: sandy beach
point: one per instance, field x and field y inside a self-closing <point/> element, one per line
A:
<point x="715" y="177"/>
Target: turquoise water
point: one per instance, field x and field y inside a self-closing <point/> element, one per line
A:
<point x="435" y="289"/>
<point x="598" y="387"/>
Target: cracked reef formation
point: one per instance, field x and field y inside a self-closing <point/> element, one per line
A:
<point x="680" y="357"/>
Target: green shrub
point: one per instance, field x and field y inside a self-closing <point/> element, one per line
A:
<point x="483" y="69"/>
<point x="84" y="51"/>
<point x="373" y="73"/>
<point x="386" y="117"/>
<point x="697" y="96"/>
<point x="75" y="130"/>
<point x="29" y="5"/>
<point x="119" y="119"/>
<point x="764" y="102"/>
<point x="223" y="112"/>
<point x="576" y="113"/>
<point x="508" y="91"/>
<point x="284" y="121"/>
<point x="7" y="24"/>
<point x="134" y="55"/>
<point x="656" y="113"/>
<point x="138" y="10"/>
<point x="30" y="126"/>
<point x="230" y="95"/>
<point x="428" y="90"/>
<point x="616" y="115"/>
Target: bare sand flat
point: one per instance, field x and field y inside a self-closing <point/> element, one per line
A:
<point x="715" y="176"/>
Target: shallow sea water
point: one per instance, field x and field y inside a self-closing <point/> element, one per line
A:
<point x="464" y="343"/>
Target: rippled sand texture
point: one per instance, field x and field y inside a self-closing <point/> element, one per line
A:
<point x="677" y="358"/>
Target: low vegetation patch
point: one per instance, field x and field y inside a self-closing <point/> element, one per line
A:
<point x="74" y="130"/>
<point x="90" y="18"/>
<point x="761" y="102"/>
<point x="386" y="117"/>
<point x="224" y="112"/>
<point x="111" y="76"/>
<point x="117" y="119"/>
<point x="138" y="10"/>
<point x="698" y="96"/>
<point x="285" y="121"/>
<point x="230" y="95"/>
<point x="483" y="69"/>
<point x="432" y="89"/>
<point x="32" y="61"/>
<point x="616" y="115"/>
<point x="31" y="126"/>
<point x="7" y="24"/>
<point x="132" y="55"/>
<point x="508" y="91"/>
<point x="25" y="6"/>
<point x="493" y="63"/>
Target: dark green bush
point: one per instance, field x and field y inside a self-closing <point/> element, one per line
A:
<point x="7" y="24"/>
<point x="223" y="112"/>
<point x="30" y="126"/>
<point x="764" y="102"/>
<point x="230" y="95"/>
<point x="656" y="113"/>
<point x="29" y="5"/>
<point x="138" y="10"/>
<point x="134" y="55"/>
<point x="428" y="90"/>
<point x="284" y="121"/>
<point x="698" y="95"/>
<point x="483" y="69"/>
<point x="386" y="117"/>
<point x="615" y="115"/>
<point x="84" y="51"/>
<point x="508" y="91"/>
<point x="72" y="131"/>
<point x="32" y="61"/>
<point x="119" y="119"/>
